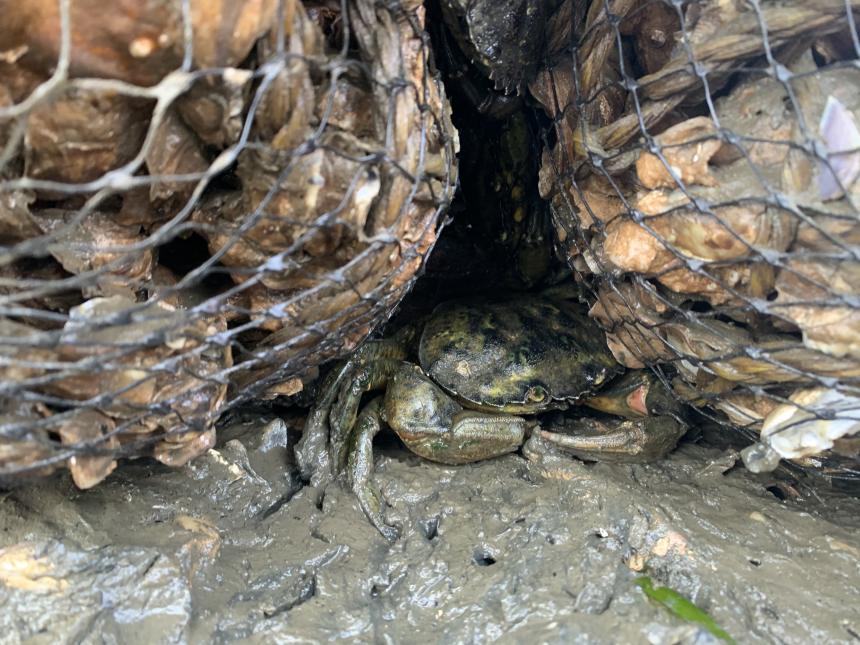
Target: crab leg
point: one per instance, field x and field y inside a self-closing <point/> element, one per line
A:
<point x="360" y="467"/>
<point x="365" y="378"/>
<point x="613" y="440"/>
<point x="312" y="450"/>
<point x="630" y="440"/>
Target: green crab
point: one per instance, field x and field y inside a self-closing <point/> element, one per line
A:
<point x="484" y="368"/>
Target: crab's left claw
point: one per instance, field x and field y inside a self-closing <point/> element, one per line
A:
<point x="630" y="440"/>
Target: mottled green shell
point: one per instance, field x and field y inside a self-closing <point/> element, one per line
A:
<point x="507" y="355"/>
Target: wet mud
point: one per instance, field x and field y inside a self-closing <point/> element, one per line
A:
<point x="232" y="548"/>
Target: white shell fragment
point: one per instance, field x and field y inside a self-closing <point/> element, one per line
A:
<point x="796" y="429"/>
<point x="841" y="138"/>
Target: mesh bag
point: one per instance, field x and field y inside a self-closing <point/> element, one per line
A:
<point x="199" y="203"/>
<point x="702" y="167"/>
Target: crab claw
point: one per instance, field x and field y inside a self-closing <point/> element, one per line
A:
<point x="636" y="394"/>
<point x="638" y="440"/>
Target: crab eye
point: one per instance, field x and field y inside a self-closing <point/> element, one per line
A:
<point x="536" y="394"/>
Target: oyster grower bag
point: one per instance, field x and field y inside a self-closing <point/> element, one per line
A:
<point x="199" y="203"/>
<point x="702" y="165"/>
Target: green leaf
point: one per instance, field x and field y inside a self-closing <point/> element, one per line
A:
<point x="681" y="607"/>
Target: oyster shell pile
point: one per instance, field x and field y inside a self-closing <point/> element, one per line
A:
<point x="199" y="203"/>
<point x="703" y="180"/>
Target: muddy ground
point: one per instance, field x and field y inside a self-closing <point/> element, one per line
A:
<point x="231" y="548"/>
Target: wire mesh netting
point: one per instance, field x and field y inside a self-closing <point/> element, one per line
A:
<point x="200" y="202"/>
<point x="702" y="168"/>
